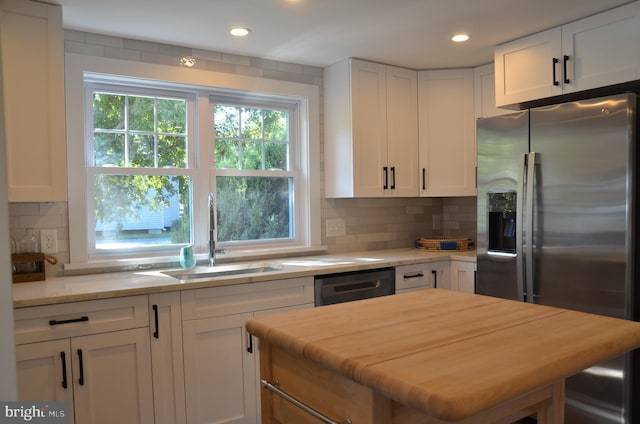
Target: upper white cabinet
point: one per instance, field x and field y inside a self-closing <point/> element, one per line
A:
<point x="32" y="44"/>
<point x="447" y="133"/>
<point x="371" y="130"/>
<point x="484" y="96"/>
<point x="593" y="52"/>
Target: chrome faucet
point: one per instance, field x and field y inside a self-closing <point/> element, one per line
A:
<point x="212" y="226"/>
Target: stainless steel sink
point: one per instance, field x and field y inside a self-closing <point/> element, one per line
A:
<point x="202" y="272"/>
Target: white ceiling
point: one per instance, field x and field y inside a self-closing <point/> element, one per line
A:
<point x="410" y="33"/>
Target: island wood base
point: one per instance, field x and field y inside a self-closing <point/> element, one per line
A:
<point x="345" y="401"/>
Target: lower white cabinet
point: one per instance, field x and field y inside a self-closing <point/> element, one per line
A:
<point x="105" y="376"/>
<point x="167" y="358"/>
<point x="220" y="357"/>
<point x="463" y="276"/>
<point x="422" y="276"/>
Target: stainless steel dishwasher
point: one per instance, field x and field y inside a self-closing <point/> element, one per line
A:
<point x="356" y="285"/>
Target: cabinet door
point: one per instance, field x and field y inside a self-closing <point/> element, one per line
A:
<point x="602" y="49"/>
<point x="463" y="276"/>
<point x="219" y="371"/>
<point x="44" y="373"/>
<point x="484" y="96"/>
<point x="369" y="126"/>
<point x="32" y="40"/>
<point x="167" y="358"/>
<point x="402" y="131"/>
<point x="112" y="380"/>
<point x="525" y="68"/>
<point x="447" y="133"/>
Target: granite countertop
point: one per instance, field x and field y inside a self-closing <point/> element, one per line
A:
<point x="115" y="284"/>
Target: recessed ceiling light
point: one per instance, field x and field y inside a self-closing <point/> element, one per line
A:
<point x="459" y="38"/>
<point x="239" y="31"/>
<point x="188" y="61"/>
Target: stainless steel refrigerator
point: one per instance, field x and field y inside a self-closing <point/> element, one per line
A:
<point x="557" y="226"/>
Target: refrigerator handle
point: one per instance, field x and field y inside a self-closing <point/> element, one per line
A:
<point x="520" y="194"/>
<point x="528" y="254"/>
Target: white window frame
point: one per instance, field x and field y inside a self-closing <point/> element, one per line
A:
<point x="306" y="97"/>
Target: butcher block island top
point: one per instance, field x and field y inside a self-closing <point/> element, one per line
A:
<point x="429" y="356"/>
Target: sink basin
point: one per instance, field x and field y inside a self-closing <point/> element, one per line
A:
<point x="202" y="272"/>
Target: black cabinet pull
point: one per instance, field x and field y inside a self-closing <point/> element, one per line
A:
<point x="555" y="80"/>
<point x="416" y="275"/>
<point x="68" y="321"/>
<point x="63" y="357"/>
<point x="564" y="69"/>
<point x="393" y="178"/>
<point x="386" y="177"/>
<point x="435" y="278"/>
<point x="81" y="365"/>
<point x="156" y="333"/>
<point x="424" y="178"/>
<point x="250" y="344"/>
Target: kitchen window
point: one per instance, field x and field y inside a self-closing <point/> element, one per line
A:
<point x="154" y="150"/>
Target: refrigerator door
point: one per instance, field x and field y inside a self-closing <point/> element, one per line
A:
<point x="503" y="142"/>
<point x="582" y="230"/>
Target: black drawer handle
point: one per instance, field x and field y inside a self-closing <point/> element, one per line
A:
<point x="63" y="357"/>
<point x="435" y="278"/>
<point x="156" y="334"/>
<point x="555" y="80"/>
<point x="81" y="365"/>
<point x="417" y="275"/>
<point x="564" y="69"/>
<point x="68" y="321"/>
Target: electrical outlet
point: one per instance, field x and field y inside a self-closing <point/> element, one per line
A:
<point x="336" y="228"/>
<point x="49" y="241"/>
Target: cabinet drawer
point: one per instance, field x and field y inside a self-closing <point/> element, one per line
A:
<point x="412" y="276"/>
<point x="249" y="297"/>
<point x="51" y="322"/>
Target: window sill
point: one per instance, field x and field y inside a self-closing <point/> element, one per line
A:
<point x="235" y="255"/>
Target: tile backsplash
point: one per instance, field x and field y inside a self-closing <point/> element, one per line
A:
<point x="369" y="223"/>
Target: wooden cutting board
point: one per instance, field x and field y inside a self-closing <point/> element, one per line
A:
<point x="449" y="354"/>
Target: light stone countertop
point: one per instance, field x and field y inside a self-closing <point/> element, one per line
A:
<point x="115" y="284"/>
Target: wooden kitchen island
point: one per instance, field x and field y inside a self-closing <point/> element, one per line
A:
<point x="431" y="356"/>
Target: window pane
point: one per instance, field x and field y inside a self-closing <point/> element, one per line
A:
<point x="254" y="208"/>
<point x="141" y="151"/>
<point x="141" y="114"/>
<point x="172" y="151"/>
<point x="108" y="111"/>
<point x="227" y="154"/>
<point x="227" y="121"/>
<point x="276" y="124"/>
<point x="134" y="211"/>
<point x="108" y="149"/>
<point x="276" y="156"/>
<point x="251" y="123"/>
<point x="251" y="155"/>
<point x="172" y="116"/>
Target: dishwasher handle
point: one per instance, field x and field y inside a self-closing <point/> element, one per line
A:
<point x="355" y="287"/>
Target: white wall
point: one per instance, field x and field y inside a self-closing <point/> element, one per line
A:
<point x="8" y="390"/>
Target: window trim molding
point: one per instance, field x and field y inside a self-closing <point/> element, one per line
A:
<point x="308" y="97"/>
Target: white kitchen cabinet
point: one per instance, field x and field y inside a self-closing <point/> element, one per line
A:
<point x="593" y="52"/>
<point x="422" y="276"/>
<point x="371" y="130"/>
<point x="447" y="133"/>
<point x="32" y="45"/>
<point x="463" y="276"/>
<point x="167" y="358"/>
<point x="484" y="96"/>
<point x="95" y="355"/>
<point x="220" y="365"/>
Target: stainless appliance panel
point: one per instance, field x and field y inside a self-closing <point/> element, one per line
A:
<point x="501" y="142"/>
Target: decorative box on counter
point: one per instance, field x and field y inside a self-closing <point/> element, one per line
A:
<point x="27" y="267"/>
<point x="444" y="243"/>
